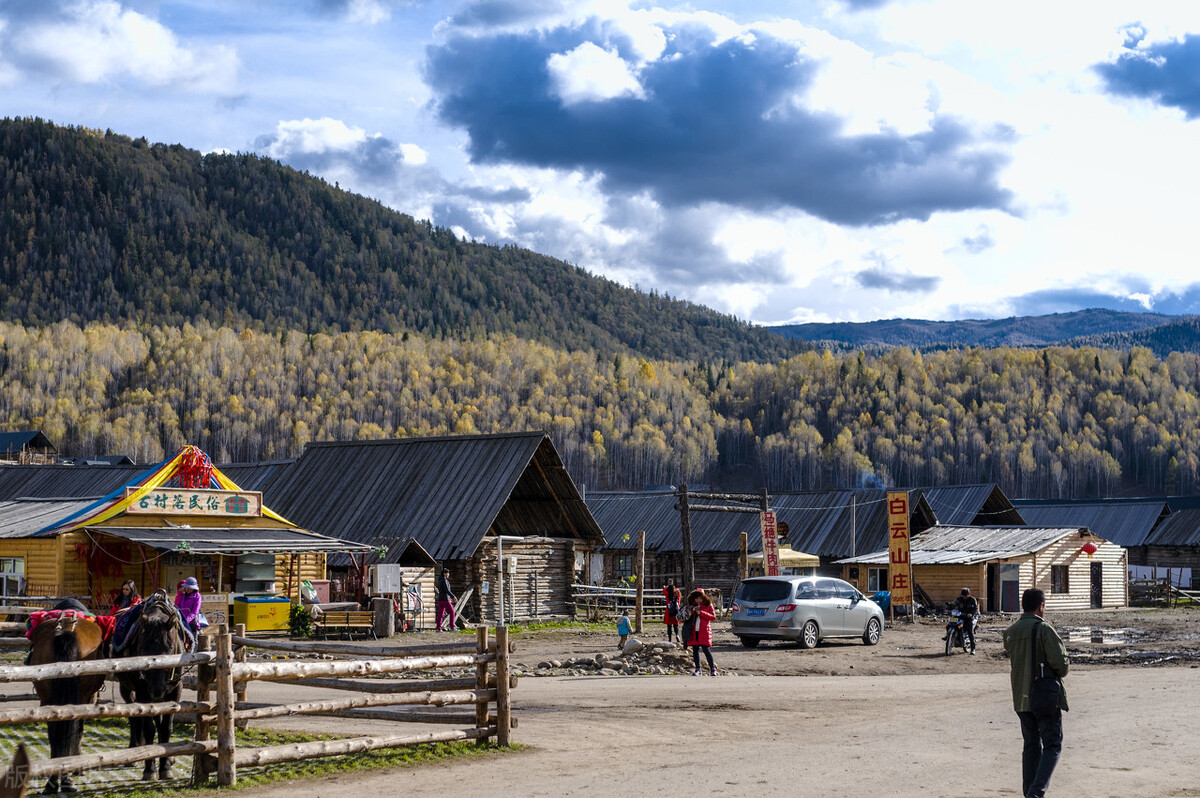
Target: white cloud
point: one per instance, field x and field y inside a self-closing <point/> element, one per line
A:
<point x="413" y="155"/>
<point x="314" y="136"/>
<point x="589" y="73"/>
<point x="99" y="41"/>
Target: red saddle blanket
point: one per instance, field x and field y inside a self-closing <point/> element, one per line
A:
<point x="106" y="622"/>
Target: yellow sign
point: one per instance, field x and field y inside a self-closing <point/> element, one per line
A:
<point x="899" y="567"/>
<point x="193" y="501"/>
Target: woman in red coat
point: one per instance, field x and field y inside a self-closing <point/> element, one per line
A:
<point x="699" y="629"/>
<point x="673" y="596"/>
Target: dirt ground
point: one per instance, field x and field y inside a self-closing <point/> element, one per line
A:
<point x="845" y="719"/>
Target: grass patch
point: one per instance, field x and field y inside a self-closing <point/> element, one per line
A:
<point x="111" y="733"/>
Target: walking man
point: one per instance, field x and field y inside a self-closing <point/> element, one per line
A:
<point x="1028" y="641"/>
<point x="445" y="600"/>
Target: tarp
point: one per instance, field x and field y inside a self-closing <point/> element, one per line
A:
<point x="115" y="503"/>
<point x="789" y="558"/>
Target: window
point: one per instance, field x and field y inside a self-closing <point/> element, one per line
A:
<point x="764" y="590"/>
<point x="12" y="575"/>
<point x="1059" y="582"/>
<point x="876" y="579"/>
<point x="623" y="566"/>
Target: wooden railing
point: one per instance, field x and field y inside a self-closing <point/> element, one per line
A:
<point x="223" y="677"/>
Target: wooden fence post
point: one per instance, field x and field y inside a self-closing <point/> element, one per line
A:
<point x="239" y="655"/>
<point x="481" y="679"/>
<point x="503" y="705"/>
<point x="204" y="678"/>
<point x="226" y="764"/>
<point x="640" y="565"/>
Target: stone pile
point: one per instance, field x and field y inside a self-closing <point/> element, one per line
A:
<point x="659" y="658"/>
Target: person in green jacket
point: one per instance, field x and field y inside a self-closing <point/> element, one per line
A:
<point x="1043" y="736"/>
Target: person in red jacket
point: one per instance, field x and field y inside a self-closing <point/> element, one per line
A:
<point x="698" y="629"/>
<point x="673" y="596"/>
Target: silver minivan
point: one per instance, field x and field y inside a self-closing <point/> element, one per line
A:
<point x="806" y="609"/>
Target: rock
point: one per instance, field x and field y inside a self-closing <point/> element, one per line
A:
<point x="544" y="666"/>
<point x="601" y="659"/>
<point x="632" y="647"/>
<point x="555" y="663"/>
<point x="607" y="672"/>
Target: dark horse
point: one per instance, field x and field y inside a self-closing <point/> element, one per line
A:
<point x="154" y="632"/>
<point x="68" y="638"/>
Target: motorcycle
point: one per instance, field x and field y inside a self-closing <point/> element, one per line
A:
<point x="954" y="631"/>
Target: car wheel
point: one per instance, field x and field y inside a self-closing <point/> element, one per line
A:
<point x="750" y="642"/>
<point x="871" y="635"/>
<point x="809" y="635"/>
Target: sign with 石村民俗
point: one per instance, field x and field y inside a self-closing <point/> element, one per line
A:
<point x="195" y="501"/>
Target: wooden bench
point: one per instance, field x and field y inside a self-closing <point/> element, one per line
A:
<point x="346" y="621"/>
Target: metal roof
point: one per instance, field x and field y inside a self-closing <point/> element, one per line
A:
<point x="970" y="545"/>
<point x="20" y="519"/>
<point x="1180" y="528"/>
<point x="984" y="505"/>
<point x="1126" y="522"/>
<point x="237" y="540"/>
<point x="445" y="492"/>
<point x="13" y="442"/>
<point x="824" y="523"/>
<point x="94" y="481"/>
<point x="622" y="514"/>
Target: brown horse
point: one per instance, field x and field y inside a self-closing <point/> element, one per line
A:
<point x="68" y="638"/>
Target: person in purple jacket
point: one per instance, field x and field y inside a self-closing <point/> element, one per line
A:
<point x="188" y="601"/>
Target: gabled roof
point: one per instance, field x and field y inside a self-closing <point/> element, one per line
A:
<point x="1126" y="522"/>
<point x="23" y="518"/>
<point x="93" y="481"/>
<point x="980" y="505"/>
<point x="830" y="523"/>
<point x="447" y="493"/>
<point x="970" y="545"/>
<point x="13" y="442"/>
<point x="1180" y="528"/>
<point x="622" y="514"/>
<point x="840" y="523"/>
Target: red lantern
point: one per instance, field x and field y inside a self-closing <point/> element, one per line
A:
<point x="1089" y="549"/>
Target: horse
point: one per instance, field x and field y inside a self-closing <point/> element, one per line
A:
<point x="68" y="638"/>
<point x="155" y="631"/>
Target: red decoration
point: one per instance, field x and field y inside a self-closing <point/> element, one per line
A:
<point x="195" y="469"/>
<point x="1089" y="549"/>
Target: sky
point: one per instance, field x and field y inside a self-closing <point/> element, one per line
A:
<point x="832" y="160"/>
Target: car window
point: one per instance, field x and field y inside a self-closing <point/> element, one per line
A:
<point x="826" y="588"/>
<point x="764" y="590"/>
<point x="844" y="590"/>
<point x="806" y="590"/>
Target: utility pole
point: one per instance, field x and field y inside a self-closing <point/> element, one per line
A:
<point x="685" y="528"/>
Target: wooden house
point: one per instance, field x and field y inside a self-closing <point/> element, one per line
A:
<point x="149" y="527"/>
<point x="1125" y="522"/>
<point x="458" y="499"/>
<point x="26" y="448"/>
<point x="1175" y="544"/>
<point x="827" y="525"/>
<point x="1077" y="568"/>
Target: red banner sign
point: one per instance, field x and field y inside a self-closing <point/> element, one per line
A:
<point x="899" y="567"/>
<point x="770" y="543"/>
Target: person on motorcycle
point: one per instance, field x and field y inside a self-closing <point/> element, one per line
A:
<point x="969" y="608"/>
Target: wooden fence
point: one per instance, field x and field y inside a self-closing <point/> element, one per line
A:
<point x="222" y="678"/>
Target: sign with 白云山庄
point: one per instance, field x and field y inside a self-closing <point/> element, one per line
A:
<point x="899" y="567"/>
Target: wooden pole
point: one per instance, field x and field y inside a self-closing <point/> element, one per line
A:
<point x="503" y="696"/>
<point x="121" y="756"/>
<point x="91" y="667"/>
<point x="302" y="670"/>
<point x="226" y="751"/>
<point x="685" y="531"/>
<point x="350" y="650"/>
<point x="204" y="679"/>
<point x="295" y="752"/>
<point x="481" y="678"/>
<point x="390" y="686"/>
<point x="430" y="699"/>
<point x="45" y="714"/>
<point x="640" y="563"/>
<point x="743" y="558"/>
<point x="239" y="655"/>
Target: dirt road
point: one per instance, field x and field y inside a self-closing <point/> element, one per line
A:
<point x="902" y="721"/>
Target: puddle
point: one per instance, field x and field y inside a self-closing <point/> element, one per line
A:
<point x="1100" y="635"/>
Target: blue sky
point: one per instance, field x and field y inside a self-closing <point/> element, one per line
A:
<point x="783" y="161"/>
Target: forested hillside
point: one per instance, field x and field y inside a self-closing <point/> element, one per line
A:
<point x="1181" y="335"/>
<point x="1100" y="327"/>
<point x="100" y="227"/>
<point x="1056" y="422"/>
